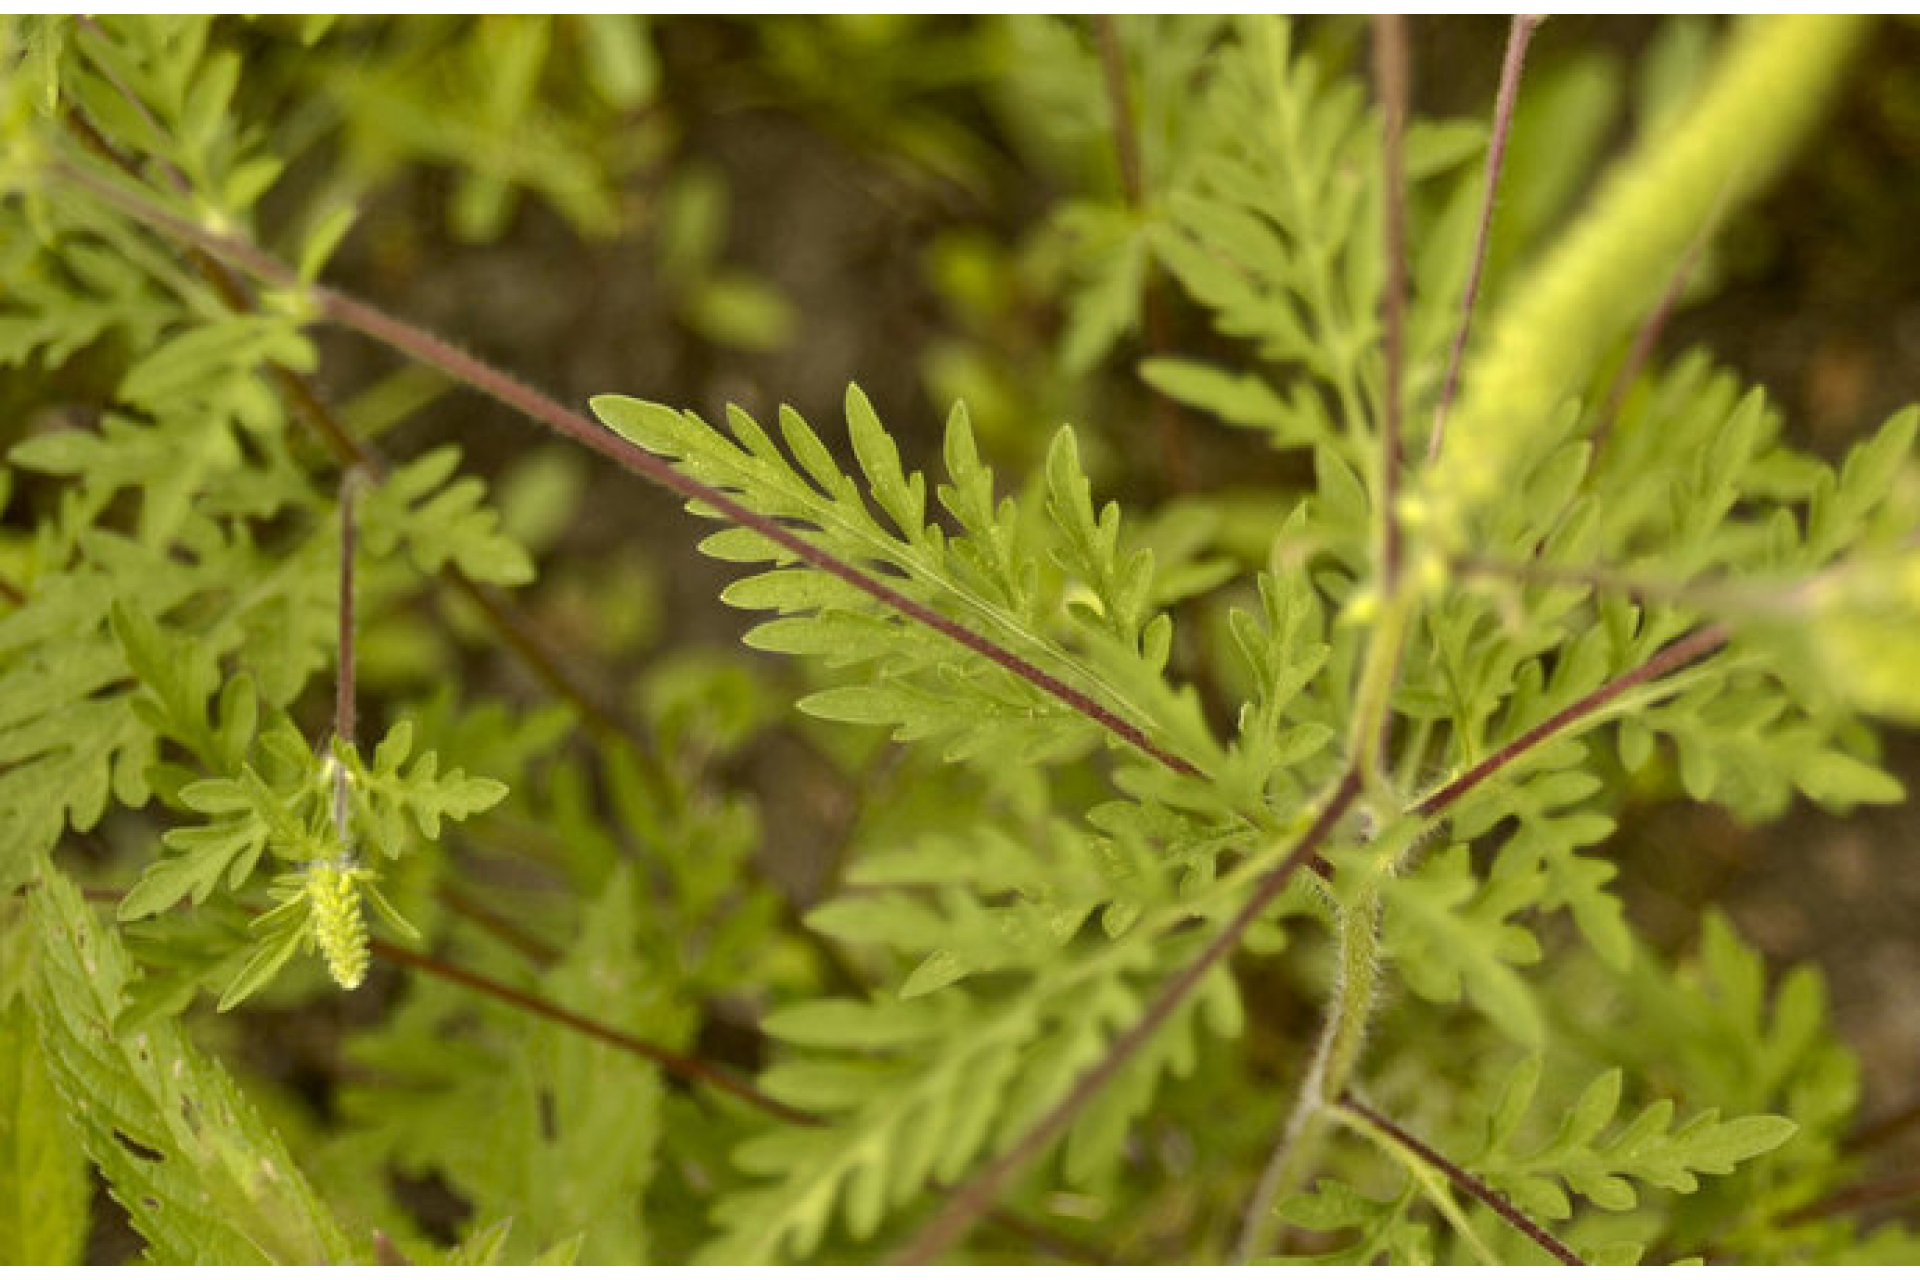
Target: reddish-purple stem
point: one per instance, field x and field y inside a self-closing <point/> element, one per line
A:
<point x="1647" y="336"/>
<point x="436" y="353"/>
<point x="1391" y="76"/>
<point x="975" y="1197"/>
<point x="1688" y="649"/>
<point x="344" y="677"/>
<point x="678" y="1065"/>
<point x="1519" y="33"/>
<point x="1392" y="80"/>
<point x="512" y="626"/>
<point x="1133" y="185"/>
<point x="1904" y="1185"/>
<point x="1884" y="1129"/>
<point x="1466" y="1182"/>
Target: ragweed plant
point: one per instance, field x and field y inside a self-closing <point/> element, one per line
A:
<point x="1364" y="729"/>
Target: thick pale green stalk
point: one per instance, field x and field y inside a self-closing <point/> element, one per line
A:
<point x="1356" y="987"/>
<point x="1609" y="269"/>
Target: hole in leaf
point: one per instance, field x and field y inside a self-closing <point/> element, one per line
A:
<point x="139" y="1150"/>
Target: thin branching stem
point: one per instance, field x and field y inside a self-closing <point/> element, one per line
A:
<point x="1883" y="1129"/>
<point x="1126" y="134"/>
<point x="436" y="353"/>
<point x="973" y="1198"/>
<point x="1519" y="34"/>
<point x="1898" y="1187"/>
<point x="1346" y="1021"/>
<point x="1391" y="75"/>
<point x="1372" y="719"/>
<point x="345" y="678"/>
<point x="688" y="1069"/>
<point x="692" y="1071"/>
<point x="1683" y="652"/>
<point x="1647" y="336"/>
<point x="520" y="634"/>
<point x="1167" y="420"/>
<point x="679" y="1065"/>
<point x="1463" y="1180"/>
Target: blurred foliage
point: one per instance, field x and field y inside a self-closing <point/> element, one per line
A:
<point x="892" y="874"/>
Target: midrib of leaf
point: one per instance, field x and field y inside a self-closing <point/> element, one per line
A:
<point x="873" y="1126"/>
<point x="906" y="555"/>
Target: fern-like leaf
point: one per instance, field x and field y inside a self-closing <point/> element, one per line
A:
<point x="202" y="1177"/>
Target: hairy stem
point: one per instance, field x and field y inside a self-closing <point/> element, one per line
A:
<point x="1368" y="1119"/>
<point x="426" y="348"/>
<point x="975" y="1197"/>
<point x="1519" y="34"/>
<point x="1350" y="1008"/>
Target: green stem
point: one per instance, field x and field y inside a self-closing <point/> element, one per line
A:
<point x="1373" y="696"/>
<point x="1432" y="1183"/>
<point x="1356" y="987"/>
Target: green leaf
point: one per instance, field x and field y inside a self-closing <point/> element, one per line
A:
<point x="441" y="519"/>
<point x="569" y="1147"/>
<point x="1602" y="1166"/>
<point x="389" y="791"/>
<point x="202" y="1178"/>
<point x="1450" y="936"/>
<point x="45" y="1192"/>
<point x="986" y="579"/>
